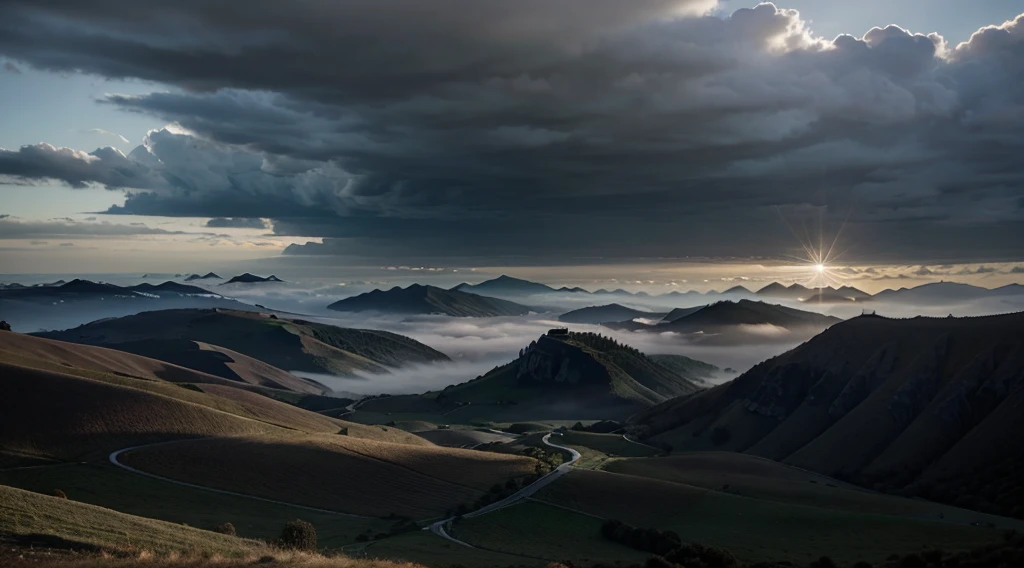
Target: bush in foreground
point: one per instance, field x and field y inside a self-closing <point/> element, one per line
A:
<point x="226" y="528"/>
<point x="298" y="535"/>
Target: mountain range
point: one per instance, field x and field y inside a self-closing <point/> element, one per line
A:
<point x="509" y="287"/>
<point x="207" y="276"/>
<point x="66" y="304"/>
<point x="922" y="406"/>
<point x="420" y="299"/>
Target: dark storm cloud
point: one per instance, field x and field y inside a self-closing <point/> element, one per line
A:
<point x="572" y="128"/>
<point x="236" y="223"/>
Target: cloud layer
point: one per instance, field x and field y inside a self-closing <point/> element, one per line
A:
<point x="566" y="130"/>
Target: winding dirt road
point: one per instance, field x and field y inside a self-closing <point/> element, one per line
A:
<point x="440" y="527"/>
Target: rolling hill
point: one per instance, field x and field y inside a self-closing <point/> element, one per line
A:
<point x="209" y="340"/>
<point x="420" y="299"/>
<point x="923" y="406"/>
<point x="606" y="313"/>
<point x="63" y="401"/>
<point x="31" y="519"/>
<point x="338" y="473"/>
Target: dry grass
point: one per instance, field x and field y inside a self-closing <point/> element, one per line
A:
<point x="52" y="355"/>
<point x="749" y="476"/>
<point x="59" y="416"/>
<point x="55" y="522"/>
<point x="336" y="472"/>
<point x="71" y="534"/>
<point x="755" y="529"/>
<point x="148" y="560"/>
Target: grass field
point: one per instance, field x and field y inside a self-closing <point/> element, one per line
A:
<point x="544" y="532"/>
<point x="26" y="515"/>
<point x="750" y="476"/>
<point x="336" y="472"/>
<point x="111" y="487"/>
<point x="753" y="529"/>
<point x="431" y="550"/>
<point x="462" y="438"/>
<point x="59" y="416"/>
<point x="611" y="445"/>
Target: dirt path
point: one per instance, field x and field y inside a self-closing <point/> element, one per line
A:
<point x="440" y="528"/>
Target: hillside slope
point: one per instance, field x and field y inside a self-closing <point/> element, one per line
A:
<point x="362" y="477"/>
<point x="578" y="376"/>
<point x="31" y="518"/>
<point x="419" y="299"/>
<point x="54" y="409"/>
<point x="927" y="406"/>
<point x="288" y="345"/>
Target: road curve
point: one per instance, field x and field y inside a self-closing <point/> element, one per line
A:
<point x="440" y="527"/>
<point x="116" y="454"/>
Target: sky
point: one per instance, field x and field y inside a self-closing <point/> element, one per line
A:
<point x="678" y="143"/>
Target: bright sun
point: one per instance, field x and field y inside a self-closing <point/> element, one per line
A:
<point x="819" y="267"/>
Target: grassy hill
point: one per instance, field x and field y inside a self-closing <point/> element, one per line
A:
<point x="60" y="523"/>
<point x="726" y="315"/>
<point x="579" y="376"/>
<point x="923" y="406"/>
<point x="53" y="409"/>
<point x="337" y="472"/>
<point x="289" y="345"/>
<point x="420" y="299"/>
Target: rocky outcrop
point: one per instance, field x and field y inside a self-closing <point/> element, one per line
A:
<point x="4" y="326"/>
<point x="552" y="361"/>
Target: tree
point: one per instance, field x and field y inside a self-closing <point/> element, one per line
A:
<point x="298" y="535"/>
<point x="59" y="494"/>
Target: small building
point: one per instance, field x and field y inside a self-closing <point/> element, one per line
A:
<point x="559" y="332"/>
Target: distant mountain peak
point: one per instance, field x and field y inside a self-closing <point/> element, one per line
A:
<point x="427" y="299"/>
<point x="249" y="278"/>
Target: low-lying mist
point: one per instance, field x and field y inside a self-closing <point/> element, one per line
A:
<point x="477" y="345"/>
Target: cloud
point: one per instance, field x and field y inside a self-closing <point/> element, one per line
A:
<point x="646" y="127"/>
<point x="16" y="228"/>
<point x="237" y="223"/>
<point x="103" y="132"/>
<point x="10" y="67"/>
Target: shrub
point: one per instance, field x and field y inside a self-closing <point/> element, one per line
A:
<point x="59" y="494"/>
<point x="226" y="528"/>
<point x="298" y="535"/>
<point x="824" y="562"/>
